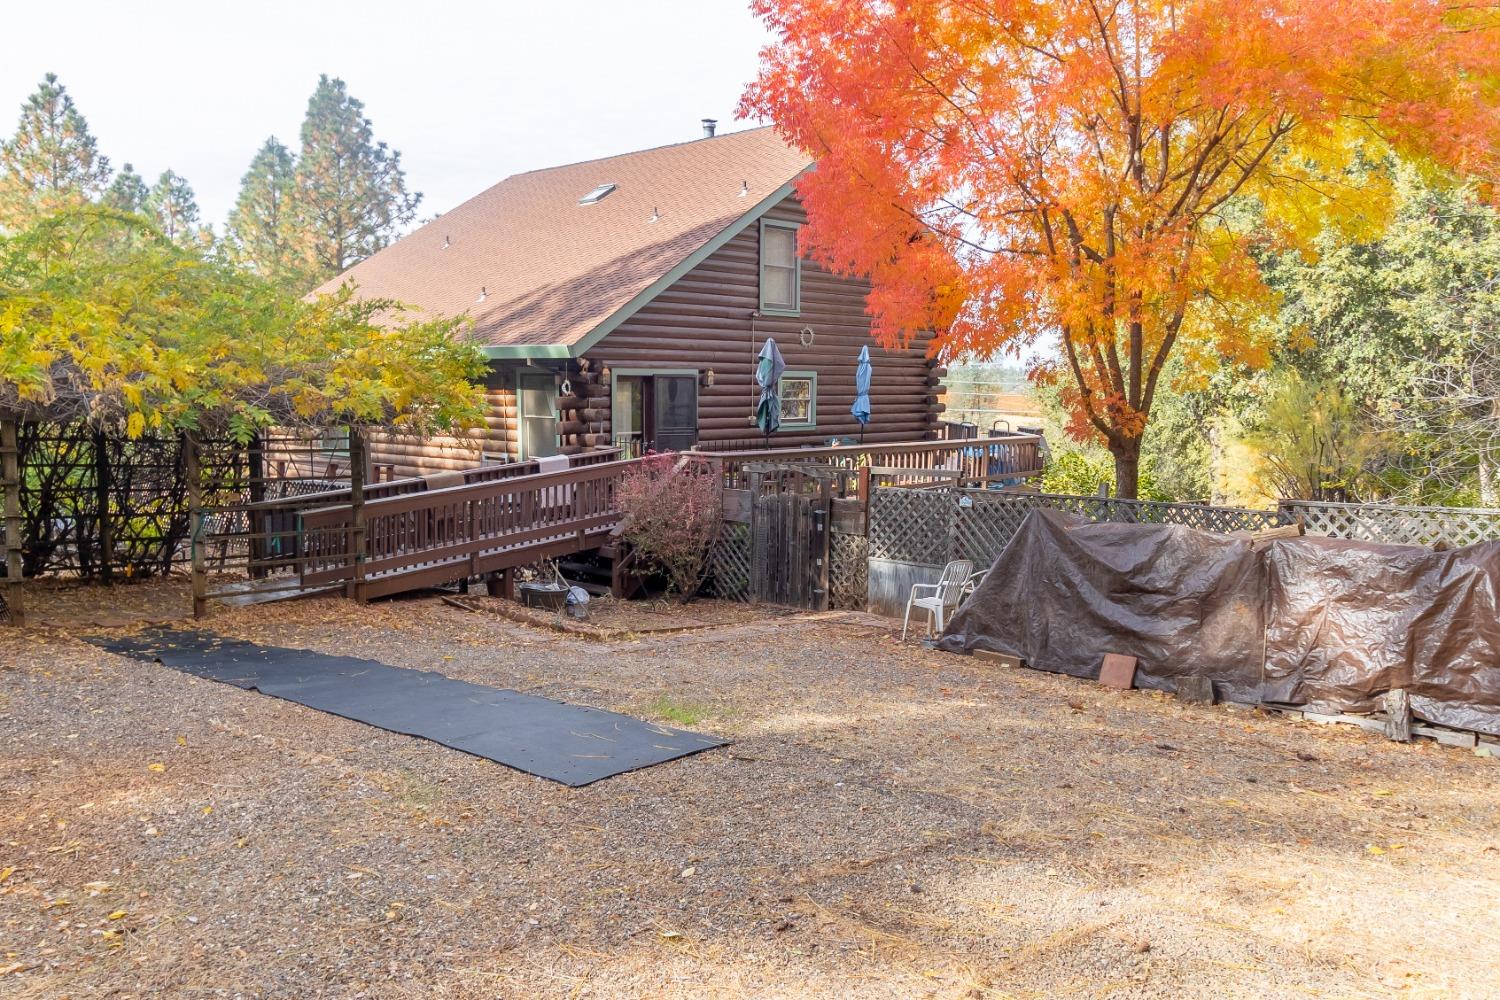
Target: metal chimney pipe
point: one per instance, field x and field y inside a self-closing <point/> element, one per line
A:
<point x="709" y="124"/>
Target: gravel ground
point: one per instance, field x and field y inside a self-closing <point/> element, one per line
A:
<point x="890" y="822"/>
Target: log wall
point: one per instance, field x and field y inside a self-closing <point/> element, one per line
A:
<point x="704" y="321"/>
<point x="404" y="455"/>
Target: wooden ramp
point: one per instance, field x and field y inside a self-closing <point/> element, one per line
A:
<point x="396" y="544"/>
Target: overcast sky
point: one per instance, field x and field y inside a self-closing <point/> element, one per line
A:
<point x="469" y="92"/>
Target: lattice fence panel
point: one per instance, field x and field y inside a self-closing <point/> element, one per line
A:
<point x="729" y="563"/>
<point x="1397" y="525"/>
<point x="848" y="572"/>
<point x="934" y="526"/>
<point x="982" y="531"/>
<point x="1190" y="515"/>
<point x="911" y="525"/>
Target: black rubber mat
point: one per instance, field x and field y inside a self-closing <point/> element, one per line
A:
<point x="566" y="743"/>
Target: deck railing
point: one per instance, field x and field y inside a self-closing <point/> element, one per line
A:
<point x="960" y="462"/>
<point x="268" y="529"/>
<point x="422" y="484"/>
<point x="459" y="531"/>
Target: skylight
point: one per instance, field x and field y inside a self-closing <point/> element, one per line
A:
<point x="597" y="195"/>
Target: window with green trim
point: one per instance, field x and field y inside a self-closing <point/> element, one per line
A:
<point x="780" y="268"/>
<point x="536" y="406"/>
<point x="799" y="400"/>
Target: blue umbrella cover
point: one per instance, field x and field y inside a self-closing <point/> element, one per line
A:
<point x="862" y="375"/>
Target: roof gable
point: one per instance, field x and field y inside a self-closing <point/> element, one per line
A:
<point x="534" y="268"/>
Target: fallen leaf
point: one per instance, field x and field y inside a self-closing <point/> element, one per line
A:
<point x="158" y="768"/>
<point x="117" y="915"/>
<point x="669" y="935"/>
<point x="688" y="872"/>
<point x="1374" y="850"/>
<point x="7" y="872"/>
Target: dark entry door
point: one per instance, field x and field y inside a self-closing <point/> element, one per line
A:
<point x="674" y="408"/>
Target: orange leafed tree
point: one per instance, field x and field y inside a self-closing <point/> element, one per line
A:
<point x="1014" y="171"/>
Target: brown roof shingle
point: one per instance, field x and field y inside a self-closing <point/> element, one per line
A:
<point x="552" y="270"/>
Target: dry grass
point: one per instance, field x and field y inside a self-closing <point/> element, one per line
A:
<point x="890" y="822"/>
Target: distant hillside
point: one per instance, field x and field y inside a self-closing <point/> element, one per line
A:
<point x="984" y="393"/>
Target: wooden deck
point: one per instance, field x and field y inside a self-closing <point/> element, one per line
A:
<point x="418" y="533"/>
<point x="967" y="461"/>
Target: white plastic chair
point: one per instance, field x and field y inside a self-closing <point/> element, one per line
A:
<point x="937" y="598"/>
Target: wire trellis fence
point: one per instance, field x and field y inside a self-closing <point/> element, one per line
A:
<point x="97" y="506"/>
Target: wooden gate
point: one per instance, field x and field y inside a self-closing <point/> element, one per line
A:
<point x="790" y="528"/>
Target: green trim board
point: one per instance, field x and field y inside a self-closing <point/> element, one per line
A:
<point x="658" y="286"/>
<point x="812" y="401"/>
<point x="766" y="310"/>
<point x="504" y="351"/>
<point x="652" y="371"/>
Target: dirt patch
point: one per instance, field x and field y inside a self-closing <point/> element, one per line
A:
<point x="889" y="822"/>
<point x="609" y="620"/>
<point x="63" y="604"/>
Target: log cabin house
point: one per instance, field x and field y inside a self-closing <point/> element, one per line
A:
<point x="623" y="302"/>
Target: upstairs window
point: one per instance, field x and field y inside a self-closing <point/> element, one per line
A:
<point x="780" y="270"/>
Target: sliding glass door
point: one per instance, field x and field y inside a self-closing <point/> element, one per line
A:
<point x="654" y="410"/>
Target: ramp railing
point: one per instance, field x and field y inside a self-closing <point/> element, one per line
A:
<point x="420" y="539"/>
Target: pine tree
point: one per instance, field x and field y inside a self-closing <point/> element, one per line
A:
<point x="51" y="162"/>
<point x="351" y="196"/>
<point x="172" y="205"/>
<point x="129" y="192"/>
<point x="260" y="226"/>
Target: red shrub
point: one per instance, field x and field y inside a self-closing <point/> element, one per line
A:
<point x="672" y="514"/>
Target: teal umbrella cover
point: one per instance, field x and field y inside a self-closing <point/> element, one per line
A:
<point x="768" y="376"/>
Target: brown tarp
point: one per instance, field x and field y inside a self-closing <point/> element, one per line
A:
<point x="1323" y="623"/>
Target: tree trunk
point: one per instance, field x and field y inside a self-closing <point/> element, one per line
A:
<point x="1127" y="467"/>
<point x="1217" y="475"/>
<point x="1488" y="491"/>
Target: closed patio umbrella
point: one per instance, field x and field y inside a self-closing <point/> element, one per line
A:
<point x="768" y="377"/>
<point x="861" y="407"/>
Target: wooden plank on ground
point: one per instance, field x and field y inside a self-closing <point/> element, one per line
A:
<point x="1447" y="737"/>
<point x="1117" y="671"/>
